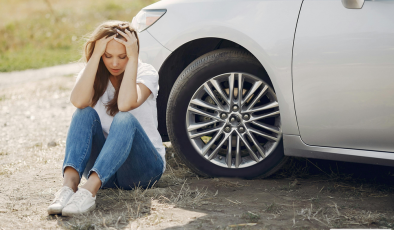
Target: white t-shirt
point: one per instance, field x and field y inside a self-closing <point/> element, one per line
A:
<point x="146" y="113"/>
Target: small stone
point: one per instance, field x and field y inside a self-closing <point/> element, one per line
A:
<point x="52" y="144"/>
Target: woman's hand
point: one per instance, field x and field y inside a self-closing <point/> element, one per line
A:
<point x="130" y="43"/>
<point x="101" y="45"/>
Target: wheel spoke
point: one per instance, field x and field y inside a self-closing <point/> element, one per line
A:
<point x="229" y="156"/>
<point x="205" y="132"/>
<point x="251" y="153"/>
<point x="206" y="105"/>
<point x="258" y="117"/>
<point x="271" y="105"/>
<point x="216" y="150"/>
<point x="203" y="113"/>
<point x="200" y="125"/>
<point x="255" y="99"/>
<point x="251" y="91"/>
<point x="204" y="151"/>
<point x="212" y="95"/>
<point x="257" y="144"/>
<point x="220" y="90"/>
<point x="267" y="127"/>
<point x="266" y="136"/>
<point x="237" y="153"/>
<point x="231" y="88"/>
<point x="240" y="89"/>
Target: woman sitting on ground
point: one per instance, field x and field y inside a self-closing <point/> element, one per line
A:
<point x="113" y="139"/>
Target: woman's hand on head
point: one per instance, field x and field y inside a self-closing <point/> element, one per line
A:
<point x="101" y="45"/>
<point x="130" y="43"/>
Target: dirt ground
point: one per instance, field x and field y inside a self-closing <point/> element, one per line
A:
<point x="35" y="114"/>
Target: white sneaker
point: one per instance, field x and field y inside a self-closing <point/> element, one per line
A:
<point x="81" y="202"/>
<point x="61" y="198"/>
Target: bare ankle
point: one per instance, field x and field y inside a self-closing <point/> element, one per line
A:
<point x="71" y="178"/>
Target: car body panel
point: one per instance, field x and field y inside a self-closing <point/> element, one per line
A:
<point x="296" y="147"/>
<point x="271" y="43"/>
<point x="343" y="74"/>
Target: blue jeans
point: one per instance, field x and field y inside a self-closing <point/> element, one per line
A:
<point x="126" y="159"/>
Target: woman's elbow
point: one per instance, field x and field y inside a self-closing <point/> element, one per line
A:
<point x="126" y="107"/>
<point x="78" y="104"/>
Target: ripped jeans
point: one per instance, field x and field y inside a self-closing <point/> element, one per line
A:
<point x="126" y="159"/>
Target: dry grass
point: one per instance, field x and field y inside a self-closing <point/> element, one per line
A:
<point x="274" y="208"/>
<point x="250" y="216"/>
<point x="330" y="216"/>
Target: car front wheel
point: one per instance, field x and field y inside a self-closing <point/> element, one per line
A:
<point x="223" y="116"/>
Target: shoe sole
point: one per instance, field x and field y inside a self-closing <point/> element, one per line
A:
<point x="54" y="211"/>
<point x="78" y="213"/>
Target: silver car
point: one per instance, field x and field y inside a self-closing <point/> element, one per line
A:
<point x="245" y="83"/>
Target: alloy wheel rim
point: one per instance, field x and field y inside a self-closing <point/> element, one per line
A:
<point x="232" y="129"/>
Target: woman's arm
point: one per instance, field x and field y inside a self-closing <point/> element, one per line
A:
<point x="131" y="94"/>
<point x="82" y="93"/>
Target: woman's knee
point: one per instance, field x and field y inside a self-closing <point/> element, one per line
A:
<point x="124" y="117"/>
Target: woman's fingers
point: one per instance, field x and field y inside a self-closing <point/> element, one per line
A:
<point x="131" y="35"/>
<point x="123" y="34"/>
<point x="120" y="41"/>
<point x="128" y="32"/>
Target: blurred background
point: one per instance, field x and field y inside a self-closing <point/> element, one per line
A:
<point x="40" y="33"/>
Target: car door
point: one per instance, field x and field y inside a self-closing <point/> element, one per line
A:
<point x="343" y="74"/>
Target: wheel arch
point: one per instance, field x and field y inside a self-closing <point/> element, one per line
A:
<point x="176" y="62"/>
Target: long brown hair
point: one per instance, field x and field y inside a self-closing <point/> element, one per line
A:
<point x="106" y="29"/>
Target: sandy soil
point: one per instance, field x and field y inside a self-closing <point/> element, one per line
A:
<point x="35" y="113"/>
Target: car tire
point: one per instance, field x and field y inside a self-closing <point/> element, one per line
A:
<point x="220" y="64"/>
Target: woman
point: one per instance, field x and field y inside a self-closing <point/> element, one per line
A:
<point x="113" y="139"/>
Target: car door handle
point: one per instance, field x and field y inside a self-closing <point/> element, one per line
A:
<point x="353" y="4"/>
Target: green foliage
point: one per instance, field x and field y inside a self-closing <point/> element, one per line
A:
<point x="42" y="33"/>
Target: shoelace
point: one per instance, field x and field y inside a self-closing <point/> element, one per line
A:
<point x="61" y="195"/>
<point x="77" y="198"/>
